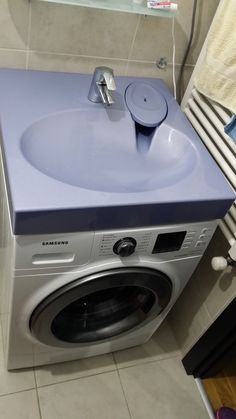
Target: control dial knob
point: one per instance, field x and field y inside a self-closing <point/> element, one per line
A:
<point x="125" y="247"/>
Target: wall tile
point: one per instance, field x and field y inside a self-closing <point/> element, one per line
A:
<point x="153" y="40"/>
<point x="82" y="31"/>
<point x="154" y="35"/>
<point x="188" y="70"/>
<point x="12" y="58"/>
<point x="217" y="289"/>
<point x="149" y="69"/>
<point x="60" y="62"/>
<point x="72" y="63"/>
<point x="209" y="292"/>
<point x="189" y="318"/>
<point x="119" y="66"/>
<point x="14" y="18"/>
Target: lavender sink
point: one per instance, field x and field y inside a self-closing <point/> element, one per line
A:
<point x="73" y="165"/>
<point x="98" y="150"/>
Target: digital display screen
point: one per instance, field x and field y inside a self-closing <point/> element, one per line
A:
<point x="169" y="242"/>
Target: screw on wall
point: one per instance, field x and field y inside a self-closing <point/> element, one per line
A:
<point x="162" y="63"/>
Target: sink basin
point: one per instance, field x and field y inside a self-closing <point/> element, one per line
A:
<point x="97" y="150"/>
<point x="72" y="165"/>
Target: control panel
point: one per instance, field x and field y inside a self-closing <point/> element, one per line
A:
<point x="163" y="242"/>
<point x="75" y="249"/>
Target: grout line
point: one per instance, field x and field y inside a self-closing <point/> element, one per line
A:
<point x="69" y="54"/>
<point x="37" y="395"/>
<point x="16" y="392"/>
<point x="220" y="311"/>
<point x="122" y="388"/>
<point x="123" y="391"/>
<point x="65" y="54"/>
<point x="27" y="51"/>
<point x="76" y="378"/>
<point x="149" y="362"/>
<point x="132" y="44"/>
<point x="116" y="368"/>
<point x="12" y="49"/>
<point x="134" y="37"/>
<point x="114" y="360"/>
<point x="35" y="380"/>
<point x="40" y="412"/>
<point x="208" y="313"/>
<point x="28" y="37"/>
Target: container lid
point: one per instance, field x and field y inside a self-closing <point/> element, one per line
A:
<point x="147" y="106"/>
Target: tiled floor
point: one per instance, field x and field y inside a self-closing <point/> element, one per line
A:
<point x="146" y="382"/>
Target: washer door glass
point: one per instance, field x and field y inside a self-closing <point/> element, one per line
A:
<point x="101" y="306"/>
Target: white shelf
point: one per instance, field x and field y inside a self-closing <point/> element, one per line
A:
<point x="115" y="5"/>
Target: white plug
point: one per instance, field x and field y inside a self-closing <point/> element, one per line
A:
<point x="219" y="263"/>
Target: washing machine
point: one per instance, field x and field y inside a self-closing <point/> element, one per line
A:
<point x="92" y="261"/>
<point x="83" y="294"/>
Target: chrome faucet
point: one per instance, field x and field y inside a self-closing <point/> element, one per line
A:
<point x="102" y="84"/>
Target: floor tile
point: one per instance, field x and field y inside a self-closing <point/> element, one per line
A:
<point x="97" y="397"/>
<point x="65" y="371"/>
<point x="161" y="390"/>
<point x="22" y="405"/>
<point x="13" y="381"/>
<point x="161" y="345"/>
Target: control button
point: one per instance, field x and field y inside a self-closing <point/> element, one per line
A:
<point x="191" y="233"/>
<point x="199" y="244"/>
<point x="125" y="247"/>
<point x="202" y="237"/>
<point x="189" y="241"/>
<point x="205" y="230"/>
<point x="186" y="246"/>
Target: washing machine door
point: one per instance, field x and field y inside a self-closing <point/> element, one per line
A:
<point x="100" y="306"/>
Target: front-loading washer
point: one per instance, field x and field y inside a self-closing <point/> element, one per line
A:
<point x="77" y="295"/>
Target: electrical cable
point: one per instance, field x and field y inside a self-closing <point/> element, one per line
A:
<point x="180" y="78"/>
<point x="173" y="57"/>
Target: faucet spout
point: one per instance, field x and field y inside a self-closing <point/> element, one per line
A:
<point x="102" y="85"/>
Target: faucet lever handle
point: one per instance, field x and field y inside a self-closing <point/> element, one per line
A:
<point x="102" y="85"/>
<point x="105" y="95"/>
<point x="109" y="80"/>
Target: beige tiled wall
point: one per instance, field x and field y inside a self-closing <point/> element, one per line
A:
<point x="205" y="297"/>
<point x="47" y="36"/>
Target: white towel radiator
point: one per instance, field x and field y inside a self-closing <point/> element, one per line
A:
<point x="208" y="118"/>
